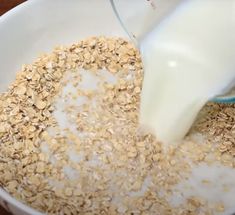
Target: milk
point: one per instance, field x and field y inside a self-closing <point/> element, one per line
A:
<point x="188" y="59"/>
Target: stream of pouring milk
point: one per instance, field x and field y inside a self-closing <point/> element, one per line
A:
<point x="188" y="59"/>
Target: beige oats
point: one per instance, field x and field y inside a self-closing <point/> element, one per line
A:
<point x="99" y="161"/>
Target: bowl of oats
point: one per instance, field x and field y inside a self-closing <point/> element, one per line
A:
<point x="70" y="83"/>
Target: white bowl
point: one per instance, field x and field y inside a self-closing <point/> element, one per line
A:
<point x="37" y="26"/>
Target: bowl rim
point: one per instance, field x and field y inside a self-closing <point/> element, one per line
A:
<point x="16" y="203"/>
<point x="4" y="194"/>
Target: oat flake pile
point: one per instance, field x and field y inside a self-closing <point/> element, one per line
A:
<point x="70" y="142"/>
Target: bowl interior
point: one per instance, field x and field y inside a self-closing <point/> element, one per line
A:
<point x="36" y="27"/>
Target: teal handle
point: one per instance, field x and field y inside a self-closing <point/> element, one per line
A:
<point x="225" y="99"/>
